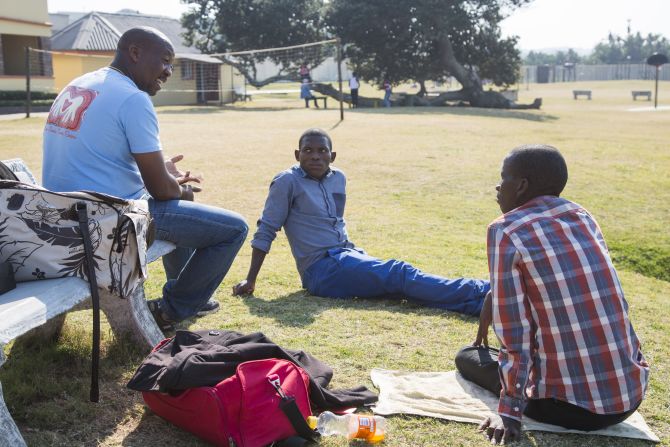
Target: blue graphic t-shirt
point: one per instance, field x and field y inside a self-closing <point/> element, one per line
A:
<point x="95" y="125"/>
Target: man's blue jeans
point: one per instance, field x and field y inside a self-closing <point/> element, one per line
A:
<point x="346" y="272"/>
<point x="207" y="240"/>
<point x="387" y="98"/>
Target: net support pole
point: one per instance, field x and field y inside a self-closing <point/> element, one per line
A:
<point x="232" y="85"/>
<point x="220" y="70"/>
<point x="27" y="82"/>
<point x="658" y="68"/>
<point x="339" y="76"/>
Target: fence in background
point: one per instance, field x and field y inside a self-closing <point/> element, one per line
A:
<point x="579" y="72"/>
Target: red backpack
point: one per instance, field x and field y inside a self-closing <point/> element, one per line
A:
<point x="265" y="401"/>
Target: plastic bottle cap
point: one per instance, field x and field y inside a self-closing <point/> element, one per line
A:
<point x="312" y="422"/>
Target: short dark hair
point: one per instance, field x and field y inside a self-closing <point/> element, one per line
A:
<point x="542" y="165"/>
<point x="316" y="132"/>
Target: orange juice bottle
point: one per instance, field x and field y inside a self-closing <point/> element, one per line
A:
<point x="369" y="428"/>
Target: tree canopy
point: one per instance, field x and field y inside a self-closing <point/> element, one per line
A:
<point x="416" y="40"/>
<point x="403" y="40"/>
<point x="632" y="48"/>
<point x="558" y="58"/>
<point x="219" y="26"/>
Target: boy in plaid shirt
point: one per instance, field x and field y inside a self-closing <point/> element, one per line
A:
<point x="569" y="355"/>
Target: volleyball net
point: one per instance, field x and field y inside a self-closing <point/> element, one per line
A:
<point x="223" y="78"/>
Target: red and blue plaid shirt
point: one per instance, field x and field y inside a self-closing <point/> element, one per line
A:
<point x="560" y="313"/>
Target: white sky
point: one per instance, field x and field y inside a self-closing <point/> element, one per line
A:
<point x="584" y="23"/>
<point x="170" y="8"/>
<point x="542" y="24"/>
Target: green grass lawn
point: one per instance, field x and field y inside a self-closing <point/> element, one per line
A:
<point x="421" y="188"/>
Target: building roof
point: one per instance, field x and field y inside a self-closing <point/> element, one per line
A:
<point x="196" y="57"/>
<point x="61" y="19"/>
<point x="100" y="31"/>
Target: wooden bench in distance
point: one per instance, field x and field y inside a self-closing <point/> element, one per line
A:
<point x="41" y="305"/>
<point x="316" y="100"/>
<point x="242" y="97"/>
<point x="637" y="93"/>
<point x="577" y="93"/>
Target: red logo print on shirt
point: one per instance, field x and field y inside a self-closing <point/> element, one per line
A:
<point x="69" y="107"/>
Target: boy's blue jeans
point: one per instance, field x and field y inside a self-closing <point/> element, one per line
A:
<point x="207" y="240"/>
<point x="346" y="273"/>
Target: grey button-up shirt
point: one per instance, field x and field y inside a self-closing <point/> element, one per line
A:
<point x="311" y="212"/>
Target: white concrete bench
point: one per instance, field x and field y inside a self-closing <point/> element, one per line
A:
<point x="40" y="306"/>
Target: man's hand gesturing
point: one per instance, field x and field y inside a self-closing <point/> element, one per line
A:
<point x="181" y="176"/>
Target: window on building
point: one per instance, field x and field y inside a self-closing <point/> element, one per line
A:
<point x="187" y="69"/>
<point x="14" y="54"/>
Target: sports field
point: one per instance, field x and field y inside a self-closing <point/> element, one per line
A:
<point x="420" y="188"/>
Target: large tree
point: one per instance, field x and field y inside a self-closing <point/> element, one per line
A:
<point x="402" y="40"/>
<point x="218" y="26"/>
<point x="417" y="40"/>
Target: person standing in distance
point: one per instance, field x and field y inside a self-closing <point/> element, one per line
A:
<point x="354" y="84"/>
<point x="102" y="135"/>
<point x="387" y="92"/>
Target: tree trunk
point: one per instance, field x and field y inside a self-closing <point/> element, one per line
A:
<point x="422" y="89"/>
<point x="493" y="99"/>
<point x="471" y="93"/>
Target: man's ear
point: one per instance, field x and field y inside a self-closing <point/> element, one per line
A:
<point x="134" y="52"/>
<point x="522" y="188"/>
<point x="332" y="156"/>
<point x="297" y="155"/>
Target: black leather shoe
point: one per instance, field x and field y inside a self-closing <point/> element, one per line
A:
<point x="164" y="323"/>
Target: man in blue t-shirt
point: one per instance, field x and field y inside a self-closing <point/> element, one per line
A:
<point x="102" y="135"/>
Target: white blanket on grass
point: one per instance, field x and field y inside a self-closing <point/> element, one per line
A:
<point x="447" y="395"/>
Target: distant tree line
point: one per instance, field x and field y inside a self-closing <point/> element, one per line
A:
<point x="632" y="48"/>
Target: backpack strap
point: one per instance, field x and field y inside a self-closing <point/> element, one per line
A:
<point x="292" y="412"/>
<point x="95" y="298"/>
<point x="290" y="408"/>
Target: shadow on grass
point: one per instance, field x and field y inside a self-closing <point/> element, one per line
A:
<point x="336" y="125"/>
<point x="206" y="110"/>
<point x="463" y="111"/>
<point x="155" y="431"/>
<point x="537" y="116"/>
<point x="300" y="309"/>
<point x="47" y="381"/>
